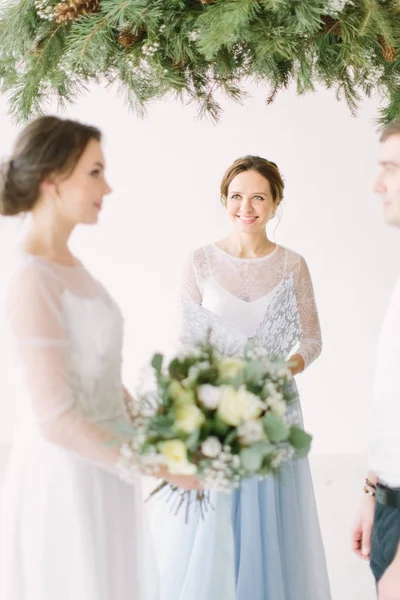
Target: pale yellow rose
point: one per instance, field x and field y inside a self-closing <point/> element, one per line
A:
<point x="238" y="406"/>
<point x="252" y="406"/>
<point x="181" y="395"/>
<point x="229" y="367"/>
<point x="229" y="409"/>
<point x="175" y="453"/>
<point x="188" y="418"/>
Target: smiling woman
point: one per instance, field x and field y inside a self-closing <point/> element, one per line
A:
<point x="245" y="288"/>
<point x="251" y="192"/>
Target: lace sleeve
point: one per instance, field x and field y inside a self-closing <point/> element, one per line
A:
<point x="33" y="305"/>
<point x="189" y="296"/>
<point x="310" y="343"/>
<point x="190" y="286"/>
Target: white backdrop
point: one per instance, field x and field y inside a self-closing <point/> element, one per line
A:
<point x="165" y="172"/>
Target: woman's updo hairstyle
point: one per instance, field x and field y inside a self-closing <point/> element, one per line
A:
<point x="264" y="167"/>
<point x="48" y="145"/>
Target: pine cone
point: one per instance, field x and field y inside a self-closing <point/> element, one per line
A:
<point x="85" y="7"/>
<point x="71" y="10"/>
<point x="389" y="53"/>
<point x="139" y="35"/>
<point x="331" y="25"/>
<point x="127" y="38"/>
<point x="64" y="12"/>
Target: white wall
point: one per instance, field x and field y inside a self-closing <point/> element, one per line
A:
<point x="165" y="171"/>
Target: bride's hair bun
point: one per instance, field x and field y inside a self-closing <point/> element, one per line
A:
<point x="46" y="146"/>
<point x="18" y="192"/>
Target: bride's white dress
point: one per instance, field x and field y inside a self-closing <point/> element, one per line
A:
<point x="70" y="529"/>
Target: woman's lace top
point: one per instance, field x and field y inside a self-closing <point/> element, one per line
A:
<point x="268" y="300"/>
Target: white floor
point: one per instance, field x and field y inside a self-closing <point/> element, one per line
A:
<point x="338" y="481"/>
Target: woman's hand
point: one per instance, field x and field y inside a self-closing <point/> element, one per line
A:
<point x="187" y="482"/>
<point x="296" y="364"/>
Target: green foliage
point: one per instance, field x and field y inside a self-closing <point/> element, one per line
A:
<point x="300" y="440"/>
<point x="275" y="428"/>
<point x="193" y="51"/>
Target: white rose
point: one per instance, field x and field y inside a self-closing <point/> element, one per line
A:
<point x="188" y="418"/>
<point x="211" y="447"/>
<point x="238" y="406"/>
<point x="251" y="432"/>
<point x="209" y="395"/>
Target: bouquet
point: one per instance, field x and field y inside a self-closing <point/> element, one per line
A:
<point x="222" y="418"/>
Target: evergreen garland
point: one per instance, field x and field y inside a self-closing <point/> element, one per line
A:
<point x="196" y="48"/>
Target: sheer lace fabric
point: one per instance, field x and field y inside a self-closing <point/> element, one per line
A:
<point x="279" y="283"/>
<point x="69" y="527"/>
<point x="67" y="334"/>
<point x="249" y="545"/>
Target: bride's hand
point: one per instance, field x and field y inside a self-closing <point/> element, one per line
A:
<point x="187" y="482"/>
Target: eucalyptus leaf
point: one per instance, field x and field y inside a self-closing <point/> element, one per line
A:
<point x="251" y="459"/>
<point x="300" y="440"/>
<point x="157" y="362"/>
<point x="275" y="428"/>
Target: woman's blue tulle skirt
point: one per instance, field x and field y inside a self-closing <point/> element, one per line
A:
<point x="261" y="542"/>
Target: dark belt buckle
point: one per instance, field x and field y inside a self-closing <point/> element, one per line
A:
<point x="388" y="496"/>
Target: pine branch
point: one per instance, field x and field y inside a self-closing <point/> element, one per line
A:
<point x="198" y="52"/>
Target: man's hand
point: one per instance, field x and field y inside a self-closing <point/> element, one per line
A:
<point x="389" y="584"/>
<point x="362" y="530"/>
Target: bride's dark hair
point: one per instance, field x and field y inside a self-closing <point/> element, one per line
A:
<point x="48" y="145"/>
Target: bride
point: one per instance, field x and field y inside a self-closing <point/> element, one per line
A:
<point x="70" y="528"/>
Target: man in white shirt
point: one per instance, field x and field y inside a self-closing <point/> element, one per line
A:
<point x="376" y="535"/>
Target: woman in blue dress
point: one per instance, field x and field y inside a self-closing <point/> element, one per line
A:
<point x="263" y="541"/>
